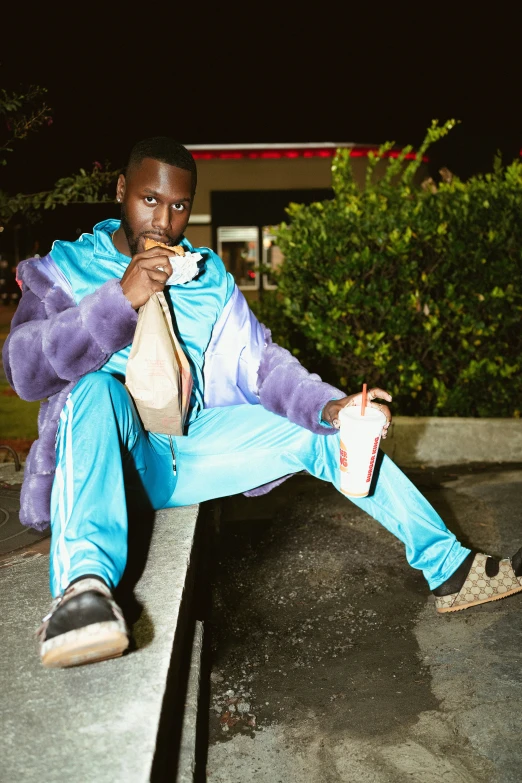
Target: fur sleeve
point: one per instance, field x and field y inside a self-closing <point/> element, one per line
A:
<point x="52" y="344"/>
<point x="287" y="388"/>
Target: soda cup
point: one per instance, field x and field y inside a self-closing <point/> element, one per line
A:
<point x="360" y="439"/>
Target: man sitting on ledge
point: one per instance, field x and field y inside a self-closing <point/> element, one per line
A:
<point x="256" y="415"/>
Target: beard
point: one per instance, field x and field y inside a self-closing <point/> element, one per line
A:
<point x="131" y="238"/>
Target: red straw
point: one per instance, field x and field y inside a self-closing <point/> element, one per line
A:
<point x="363" y="403"/>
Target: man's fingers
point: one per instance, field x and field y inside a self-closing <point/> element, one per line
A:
<point x="157" y="275"/>
<point x="373" y="394"/>
<point x="163" y="266"/>
<point x="379" y="394"/>
<point x="151" y="260"/>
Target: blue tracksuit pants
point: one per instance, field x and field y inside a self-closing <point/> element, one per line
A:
<point x="101" y="447"/>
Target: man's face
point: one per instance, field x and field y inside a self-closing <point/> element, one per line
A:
<point x="156" y="201"/>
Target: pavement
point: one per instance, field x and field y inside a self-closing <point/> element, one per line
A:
<point x="325" y="657"/>
<point x="131" y="719"/>
<point x="329" y="661"/>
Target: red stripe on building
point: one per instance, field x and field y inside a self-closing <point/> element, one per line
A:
<point x="314" y="152"/>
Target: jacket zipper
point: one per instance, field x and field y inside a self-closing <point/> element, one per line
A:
<point x="173" y="455"/>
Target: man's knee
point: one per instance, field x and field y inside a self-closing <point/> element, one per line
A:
<point x="100" y="386"/>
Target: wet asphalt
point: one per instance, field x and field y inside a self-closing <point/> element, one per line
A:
<point x="328" y="660"/>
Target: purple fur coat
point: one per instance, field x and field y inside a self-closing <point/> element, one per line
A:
<point x="54" y="342"/>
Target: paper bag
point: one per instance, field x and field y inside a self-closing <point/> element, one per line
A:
<point x="158" y="373"/>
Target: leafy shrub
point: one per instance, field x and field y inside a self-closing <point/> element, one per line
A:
<point x="413" y="289"/>
<point x="22" y="114"/>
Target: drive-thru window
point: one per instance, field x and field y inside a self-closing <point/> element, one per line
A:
<point x="243" y="191"/>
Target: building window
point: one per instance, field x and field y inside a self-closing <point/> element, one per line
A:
<point x="272" y="258"/>
<point x="238" y="246"/>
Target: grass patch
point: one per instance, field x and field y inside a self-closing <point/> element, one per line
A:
<point x="18" y="419"/>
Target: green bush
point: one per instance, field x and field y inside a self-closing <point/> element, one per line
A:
<point x="414" y="289"/>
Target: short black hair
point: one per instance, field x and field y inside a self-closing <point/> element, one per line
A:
<point x="166" y="150"/>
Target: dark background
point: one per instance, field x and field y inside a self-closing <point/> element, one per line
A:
<point x="222" y="75"/>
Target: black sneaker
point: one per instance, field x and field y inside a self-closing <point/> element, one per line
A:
<point x="84" y="625"/>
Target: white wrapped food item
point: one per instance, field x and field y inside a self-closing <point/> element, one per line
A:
<point x="185" y="266"/>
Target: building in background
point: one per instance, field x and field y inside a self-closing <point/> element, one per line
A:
<point x="243" y="191"/>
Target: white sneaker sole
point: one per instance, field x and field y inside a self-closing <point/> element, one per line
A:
<point x="96" y="642"/>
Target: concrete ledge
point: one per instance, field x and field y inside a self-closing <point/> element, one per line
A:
<point x="434" y="441"/>
<point x="105" y="722"/>
<point x="186" y="767"/>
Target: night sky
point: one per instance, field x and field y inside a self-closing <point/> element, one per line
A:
<point x="359" y="75"/>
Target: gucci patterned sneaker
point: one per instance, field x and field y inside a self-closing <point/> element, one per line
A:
<point x="479" y="579"/>
<point x="84" y="625"/>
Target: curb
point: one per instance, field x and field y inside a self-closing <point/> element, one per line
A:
<point x="435" y="441"/>
<point x="121" y="719"/>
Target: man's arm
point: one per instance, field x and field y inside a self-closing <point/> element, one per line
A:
<point x="53" y="342"/>
<point x="242" y="364"/>
<point x="288" y="389"/>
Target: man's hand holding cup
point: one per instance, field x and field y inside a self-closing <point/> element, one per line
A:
<point x="333" y="407"/>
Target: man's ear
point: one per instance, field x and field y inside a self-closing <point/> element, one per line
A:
<point x="120" y="188"/>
